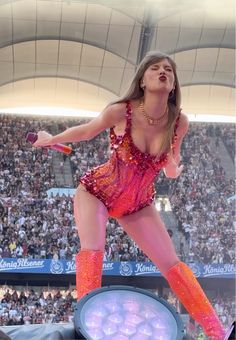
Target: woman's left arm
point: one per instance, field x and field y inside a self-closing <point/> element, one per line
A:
<point x="172" y="169"/>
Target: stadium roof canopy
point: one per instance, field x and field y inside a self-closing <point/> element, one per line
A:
<point x="82" y="54"/>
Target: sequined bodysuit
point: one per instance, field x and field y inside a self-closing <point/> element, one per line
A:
<point x="125" y="183"/>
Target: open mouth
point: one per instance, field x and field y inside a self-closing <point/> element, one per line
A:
<point x="162" y="78"/>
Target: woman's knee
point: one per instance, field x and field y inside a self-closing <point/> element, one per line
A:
<point x="170" y="264"/>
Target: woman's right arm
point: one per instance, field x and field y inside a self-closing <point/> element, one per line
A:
<point x="111" y="115"/>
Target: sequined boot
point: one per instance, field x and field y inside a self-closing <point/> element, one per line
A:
<point x="88" y="271"/>
<point x="184" y="284"/>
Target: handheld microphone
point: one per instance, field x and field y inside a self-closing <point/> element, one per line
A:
<point x="32" y="137"/>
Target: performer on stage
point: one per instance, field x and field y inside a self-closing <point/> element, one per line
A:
<point x="146" y="131"/>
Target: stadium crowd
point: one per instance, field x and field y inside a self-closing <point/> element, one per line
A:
<point x="32" y="306"/>
<point x="200" y="200"/>
<point x="37" y="226"/>
<point x="226" y="135"/>
<point x="24" y="170"/>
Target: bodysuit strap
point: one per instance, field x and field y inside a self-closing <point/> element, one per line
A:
<point x="128" y="116"/>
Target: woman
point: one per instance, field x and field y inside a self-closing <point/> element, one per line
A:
<point x="146" y="132"/>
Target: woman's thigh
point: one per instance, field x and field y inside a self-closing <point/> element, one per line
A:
<point x="148" y="231"/>
<point x="91" y="218"/>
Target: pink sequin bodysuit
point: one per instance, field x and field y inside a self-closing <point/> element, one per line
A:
<point x="125" y="183"/>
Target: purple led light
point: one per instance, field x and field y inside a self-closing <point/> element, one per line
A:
<point x="120" y="337"/>
<point x="116" y="318"/>
<point x="93" y="321"/>
<point x="159" y="323"/>
<point x="148" y="313"/>
<point x="109" y="328"/>
<point x="122" y="315"/>
<point x="138" y="336"/>
<point x="96" y="334"/>
<point x="160" y="334"/>
<point x="113" y="306"/>
<point x="133" y="318"/>
<point x="128" y="329"/>
<point x="131" y="306"/>
<point x="98" y="311"/>
<point x="145" y="329"/>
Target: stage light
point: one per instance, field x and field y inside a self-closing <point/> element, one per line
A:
<point x="123" y="313"/>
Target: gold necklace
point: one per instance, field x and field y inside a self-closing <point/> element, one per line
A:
<point x="151" y="120"/>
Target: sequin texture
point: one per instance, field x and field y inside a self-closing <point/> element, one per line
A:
<point x="125" y="184"/>
<point x="184" y="284"/>
<point x="88" y="271"/>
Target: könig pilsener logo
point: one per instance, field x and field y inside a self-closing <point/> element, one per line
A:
<point x="56" y="267"/>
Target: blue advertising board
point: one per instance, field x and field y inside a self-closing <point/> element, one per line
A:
<point x="41" y="266"/>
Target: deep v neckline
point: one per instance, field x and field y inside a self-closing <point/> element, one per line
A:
<point x="145" y="155"/>
<point x="137" y="154"/>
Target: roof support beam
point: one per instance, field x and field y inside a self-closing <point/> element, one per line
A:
<point x="147" y="32"/>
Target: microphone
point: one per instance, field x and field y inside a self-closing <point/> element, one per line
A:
<point x="32" y="137"/>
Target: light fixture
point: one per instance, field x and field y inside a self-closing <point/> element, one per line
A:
<point x="126" y="313"/>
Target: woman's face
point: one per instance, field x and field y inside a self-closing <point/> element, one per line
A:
<point x="159" y="77"/>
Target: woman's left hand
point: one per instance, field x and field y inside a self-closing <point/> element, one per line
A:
<point x="172" y="169"/>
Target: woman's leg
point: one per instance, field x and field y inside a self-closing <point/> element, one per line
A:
<point x="146" y="228"/>
<point x="91" y="218"/>
<point x="148" y="231"/>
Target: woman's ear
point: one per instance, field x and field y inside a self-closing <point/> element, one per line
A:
<point x="142" y="84"/>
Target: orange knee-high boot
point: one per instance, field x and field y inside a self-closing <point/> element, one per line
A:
<point x="88" y="271"/>
<point x="185" y="285"/>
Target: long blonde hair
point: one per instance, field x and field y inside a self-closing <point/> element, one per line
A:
<point x="135" y="92"/>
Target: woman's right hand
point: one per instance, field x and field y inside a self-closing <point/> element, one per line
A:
<point x="44" y="139"/>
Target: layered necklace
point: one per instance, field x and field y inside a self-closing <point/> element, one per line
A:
<point x="151" y="120"/>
